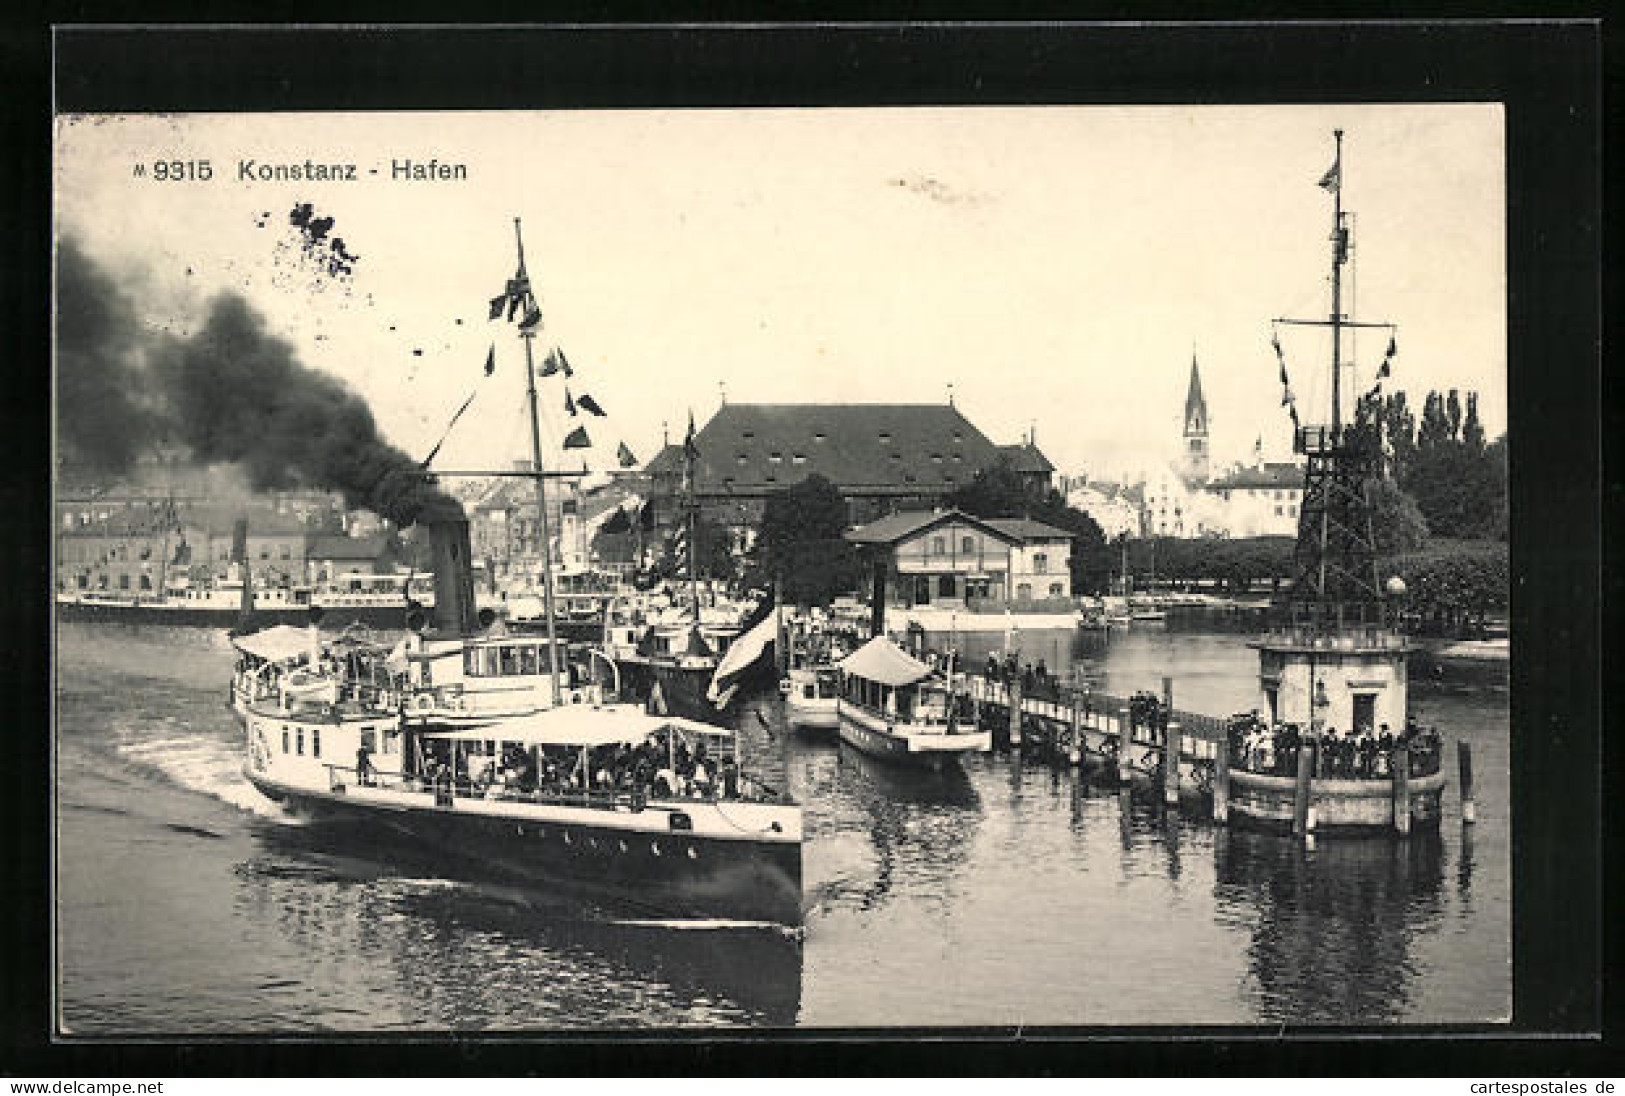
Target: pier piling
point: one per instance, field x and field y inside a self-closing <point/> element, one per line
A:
<point x="1015" y="713"/>
<point x="1300" y="798"/>
<point x="1125" y="739"/>
<point x="1074" y="751"/>
<point x="1464" y="757"/>
<point x="1402" y="793"/>
<point x="1221" y="784"/>
<point x="1170" y="762"/>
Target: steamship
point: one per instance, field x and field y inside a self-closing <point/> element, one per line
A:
<point x="514" y="752"/>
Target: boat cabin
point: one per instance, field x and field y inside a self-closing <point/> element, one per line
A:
<point x="487" y="677"/>
<point x="886" y="681"/>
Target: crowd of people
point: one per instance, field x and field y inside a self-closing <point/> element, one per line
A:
<point x="1340" y="754"/>
<point x="1035" y="679"/>
<point x="652" y="769"/>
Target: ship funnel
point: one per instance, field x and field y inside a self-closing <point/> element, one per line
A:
<point x="454" y="611"/>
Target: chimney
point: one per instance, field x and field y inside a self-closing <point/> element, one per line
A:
<point x="454" y="611"/>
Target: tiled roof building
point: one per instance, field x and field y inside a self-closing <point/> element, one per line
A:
<point x="882" y="457"/>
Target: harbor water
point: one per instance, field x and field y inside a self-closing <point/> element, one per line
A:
<point x="997" y="893"/>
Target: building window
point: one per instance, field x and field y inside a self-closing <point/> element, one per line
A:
<point x="885" y="438"/>
<point x="800" y="458"/>
<point x="287" y="552"/>
<point x="938" y="546"/>
<point x="315" y="742"/>
<point x="945" y="586"/>
<point x="146" y="582"/>
<point x="748" y="435"/>
<point x="1024" y="591"/>
<point x="818" y="436"/>
<point x="299" y="742"/>
<point x="967" y="545"/>
<point x="936" y="458"/>
<point x="1278" y="512"/>
<point x="1055" y="590"/>
<point x="1040" y="563"/>
<point x="776" y="458"/>
<point x="124" y="582"/>
<point x="742" y="458"/>
<point x="284" y="740"/>
<point x="265" y="553"/>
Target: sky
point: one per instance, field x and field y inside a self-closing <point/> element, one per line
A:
<point x="1057" y="266"/>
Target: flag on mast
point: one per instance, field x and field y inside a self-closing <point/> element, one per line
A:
<point x="550" y="364"/>
<point x="624" y="455"/>
<point x="1333" y="179"/>
<point x="577" y="439"/>
<point x="590" y="405"/>
<point x="569" y="404"/>
<point x="491" y="360"/>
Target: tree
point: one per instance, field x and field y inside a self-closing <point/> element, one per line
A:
<point x="800" y="542"/>
<point x="1397" y="524"/>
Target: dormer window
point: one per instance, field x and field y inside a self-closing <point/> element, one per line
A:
<point x="799" y="458"/>
<point x="820" y="436"/>
<point x="936" y="458"/>
<point x="958" y="437"/>
<point x="747" y="435"/>
<point x="885" y="438"/>
<point x="742" y="458"/>
<point x="776" y="458"/>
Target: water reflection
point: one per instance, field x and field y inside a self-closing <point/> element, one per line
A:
<point x="1331" y="927"/>
<point x="457" y="951"/>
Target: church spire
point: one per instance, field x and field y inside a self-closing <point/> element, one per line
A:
<point x="1195" y="454"/>
<point x="1195" y="405"/>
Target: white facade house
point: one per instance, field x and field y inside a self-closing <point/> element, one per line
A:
<point x="1114" y="509"/>
<point x="1258" y="501"/>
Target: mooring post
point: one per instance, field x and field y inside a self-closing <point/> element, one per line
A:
<point x="1015" y="712"/>
<point x="1402" y="792"/>
<point x="1300" y="797"/>
<point x="1125" y="739"/>
<point x="1074" y="753"/>
<point x="1464" y="756"/>
<point x="1170" y="763"/>
<point x="1167" y="713"/>
<point x="1221" y="781"/>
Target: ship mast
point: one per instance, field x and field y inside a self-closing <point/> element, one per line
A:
<point x="1335" y="581"/>
<point x="528" y="335"/>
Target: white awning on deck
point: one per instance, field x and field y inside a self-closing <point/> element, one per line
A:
<point x="283" y="643"/>
<point x="580" y="725"/>
<point x="883" y="662"/>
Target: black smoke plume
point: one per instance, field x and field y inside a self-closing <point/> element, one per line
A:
<point x="103" y="415"/>
<point x="231" y="392"/>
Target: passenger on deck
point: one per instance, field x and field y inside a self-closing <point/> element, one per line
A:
<point x="363" y="766"/>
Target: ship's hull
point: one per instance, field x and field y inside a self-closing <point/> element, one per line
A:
<point x="649" y="869"/>
<point x="866" y="732"/>
<point x="263" y="615"/>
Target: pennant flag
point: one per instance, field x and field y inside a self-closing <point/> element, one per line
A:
<point x="1288" y="400"/>
<point x="624" y="455"/>
<point x="590" y="405"/>
<point x="564" y="364"/>
<point x="513" y="306"/>
<point x="533" y="317"/>
<point x="1293" y="411"/>
<point x="569" y="404"/>
<point x="1383" y="369"/>
<point x="1275" y="341"/>
<point x="1393" y="345"/>
<point x="491" y="360"/>
<point x="1333" y="178"/>
<point x="550" y="364"/>
<point x="578" y="439"/>
<point x="497" y="304"/>
<point x="1284" y="380"/>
